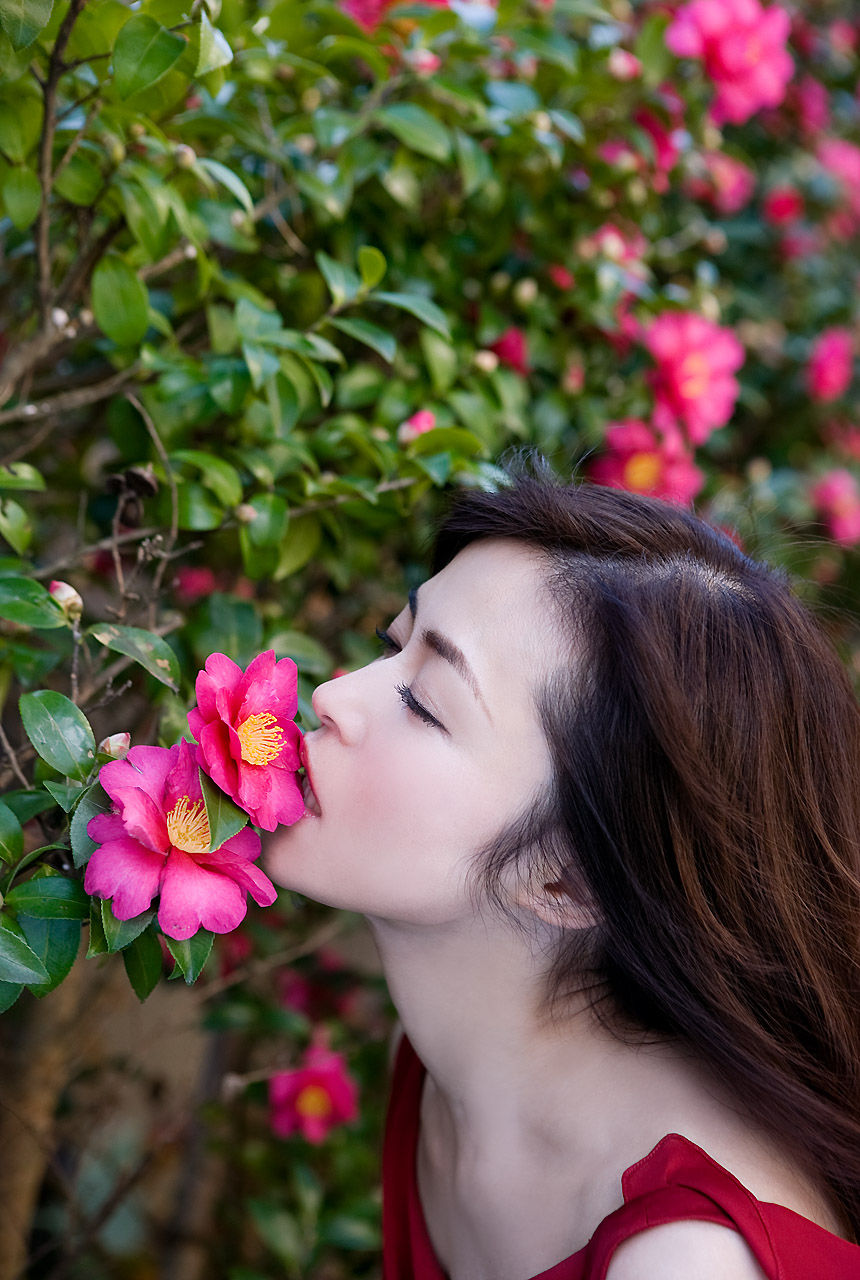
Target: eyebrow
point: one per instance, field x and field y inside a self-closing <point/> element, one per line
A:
<point x="449" y="651"/>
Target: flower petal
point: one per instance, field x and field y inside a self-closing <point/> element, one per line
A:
<point x="127" y="872"/>
<point x="216" y="687"/>
<point x="193" y="897"/>
<point x="246" y="874"/>
<point x="183" y="779"/>
<point x="215" y="758"/>
<point x="145" y="767"/>
<point x="143" y="818"/>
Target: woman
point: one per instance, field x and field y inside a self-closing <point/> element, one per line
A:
<point x="600" y="804"/>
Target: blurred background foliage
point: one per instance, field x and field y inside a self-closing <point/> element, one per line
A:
<point x="276" y="278"/>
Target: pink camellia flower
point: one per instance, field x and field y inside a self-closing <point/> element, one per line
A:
<point x="156" y="842"/>
<point x="418" y="425"/>
<point x="249" y="744"/>
<point x="313" y="1098"/>
<point x="744" y="50"/>
<point x="782" y="205"/>
<point x="623" y="65"/>
<point x="831" y="364"/>
<point x="641" y="463"/>
<point x="837" y="498"/>
<point x="194" y="582"/>
<point x="724" y="182"/>
<point x="694" y="380"/>
<point x="512" y="350"/>
<point x="423" y="61"/>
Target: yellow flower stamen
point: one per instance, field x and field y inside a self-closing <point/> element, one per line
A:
<point x="261" y="737"/>
<point x="694" y="375"/>
<point x="188" y="826"/>
<point x="313" y="1101"/>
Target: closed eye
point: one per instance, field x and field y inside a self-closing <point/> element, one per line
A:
<point x="417" y="709"/>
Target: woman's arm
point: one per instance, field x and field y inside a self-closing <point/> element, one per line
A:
<point x="685" y="1251"/>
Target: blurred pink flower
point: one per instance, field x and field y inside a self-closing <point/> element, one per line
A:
<point x="249" y="744"/>
<point x="831" y="364"/>
<point x="156" y="842"/>
<point x="313" y="1098"/>
<point x="560" y="276"/>
<point x="194" y="582"/>
<point x="841" y="159"/>
<point x="370" y="13"/>
<point x="422" y="61"/>
<point x="694" y="381"/>
<point x="642" y="463"/>
<point x="724" y="182"/>
<point x="837" y="499"/>
<point x="744" y="50"/>
<point x="623" y="65"/>
<point x="420" y="423"/>
<point x="813" y="105"/>
<point x="512" y="350"/>
<point x="782" y="205"/>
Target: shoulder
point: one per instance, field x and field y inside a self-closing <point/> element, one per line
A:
<point x="679" y="1250"/>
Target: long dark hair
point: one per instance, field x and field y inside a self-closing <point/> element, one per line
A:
<point x="706" y="798"/>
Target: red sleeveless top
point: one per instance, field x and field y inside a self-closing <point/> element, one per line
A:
<point x="676" y="1181"/>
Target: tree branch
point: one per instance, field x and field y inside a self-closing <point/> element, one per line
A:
<point x="46" y="149"/>
<point x="68" y="400"/>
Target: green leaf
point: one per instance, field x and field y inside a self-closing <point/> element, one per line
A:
<point x="218" y="475"/>
<point x="143" y="963"/>
<point x="120" y="300"/>
<point x="300" y="544"/>
<point x="20" y="124"/>
<point x="197" y="509"/>
<point x="65" y="794"/>
<point x="652" y="51"/>
<point x="9" y="993"/>
<point x="191" y="954"/>
<point x="308" y="654"/>
<point x="97" y="945"/>
<point x="93" y="802"/>
<point x="56" y="943"/>
<point x="11" y="835"/>
<point x="214" y="52"/>
<point x="20" y="475"/>
<point x="149" y="651"/>
<point x="442" y="360"/>
<point x="372" y="265"/>
<point x="15" y="525"/>
<point x="420" y="307"/>
<point x="270" y="520"/>
<point x="22" y="20"/>
<point x="343" y="283"/>
<point x="228" y="179"/>
<point x="50" y="898"/>
<point x="119" y="933"/>
<point x="59" y="731"/>
<point x="27" y="804"/>
<point x="475" y="166"/>
<point x="370" y="334"/>
<point x="22" y="196"/>
<point x="225" y="818"/>
<point x="416" y="129"/>
<point x="143" y="53"/>
<point x="80" y="181"/>
<point x="18" y="962"/>
<point x="27" y="602"/>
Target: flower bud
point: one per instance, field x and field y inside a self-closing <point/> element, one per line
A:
<point x="245" y="513"/>
<point x="526" y="291"/>
<point x="420" y="422"/>
<point x="624" y="65"/>
<point x="116" y="746"/>
<point x="184" y="156"/>
<point x="486" y="361"/>
<point x="68" y="599"/>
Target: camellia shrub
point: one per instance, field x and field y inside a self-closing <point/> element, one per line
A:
<point x="277" y="277"/>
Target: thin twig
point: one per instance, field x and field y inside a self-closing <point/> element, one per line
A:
<point x="69" y="400"/>
<point x="323" y="504"/>
<point x="76" y="140"/>
<point x="174" y="502"/>
<point x="104" y="544"/>
<point x="12" y="757"/>
<point x="324" y="935"/>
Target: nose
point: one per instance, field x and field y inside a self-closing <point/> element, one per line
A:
<point x="341" y="705"/>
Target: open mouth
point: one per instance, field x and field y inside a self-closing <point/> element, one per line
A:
<point x="312" y="805"/>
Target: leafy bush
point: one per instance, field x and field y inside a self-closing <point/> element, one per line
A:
<point x="277" y="276"/>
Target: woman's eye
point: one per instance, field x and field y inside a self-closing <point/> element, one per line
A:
<point x="413" y="705"/>
<point x="387" y="641"/>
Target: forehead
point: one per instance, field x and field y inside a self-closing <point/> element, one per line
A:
<point x="493" y="601"/>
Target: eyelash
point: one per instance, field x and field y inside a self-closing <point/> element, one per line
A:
<point x="407" y="696"/>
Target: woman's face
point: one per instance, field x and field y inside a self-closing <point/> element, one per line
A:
<point x="427" y="753"/>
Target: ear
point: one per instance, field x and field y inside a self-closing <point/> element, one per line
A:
<point x="555" y="906"/>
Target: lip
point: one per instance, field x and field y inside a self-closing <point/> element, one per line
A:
<point x="303" y="757"/>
